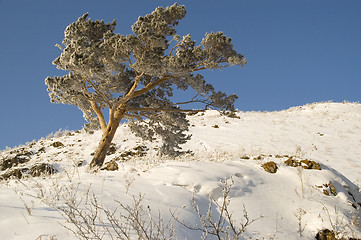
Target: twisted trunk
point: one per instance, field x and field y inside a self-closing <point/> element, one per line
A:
<point x="115" y="116"/>
<point x="107" y="138"/>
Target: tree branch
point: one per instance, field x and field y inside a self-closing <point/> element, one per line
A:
<point x="85" y="92"/>
<point x="193" y="100"/>
<point x="129" y="60"/>
<point x="199" y="64"/>
<point x="132" y="91"/>
<point x="120" y="105"/>
<point x="163" y="110"/>
<point x="100" y="115"/>
<point x="99" y="92"/>
<point x="170" y="52"/>
<point x="150" y="86"/>
<point x="139" y="118"/>
<point x="198" y="68"/>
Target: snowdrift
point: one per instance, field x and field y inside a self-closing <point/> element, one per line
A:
<point x="290" y="174"/>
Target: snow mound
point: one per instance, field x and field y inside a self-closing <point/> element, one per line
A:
<point x="314" y="151"/>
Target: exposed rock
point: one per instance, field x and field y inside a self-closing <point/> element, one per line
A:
<point x="34" y="171"/>
<point x="40" y="169"/>
<point x="15" y="160"/>
<point x="13" y="173"/>
<point x="329" y="189"/>
<point x="111" y="166"/>
<point x="325" y="234"/>
<point x="79" y="163"/>
<point x="308" y="164"/>
<point x="332" y="189"/>
<point x="57" y="144"/>
<point x="138" y="151"/>
<point x="270" y="167"/>
<point x="292" y="163"/>
<point x="356" y="204"/>
<point x="141" y="150"/>
<point x="326" y="192"/>
<point x="230" y="114"/>
<point x="41" y="150"/>
<point x="112" y="149"/>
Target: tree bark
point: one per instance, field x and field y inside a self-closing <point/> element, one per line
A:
<point x="115" y="115"/>
<point x="99" y="114"/>
<point x="107" y="138"/>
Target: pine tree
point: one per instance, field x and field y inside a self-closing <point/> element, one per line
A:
<point x="134" y="76"/>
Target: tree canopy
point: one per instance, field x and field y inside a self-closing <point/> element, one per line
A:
<point x="135" y="76"/>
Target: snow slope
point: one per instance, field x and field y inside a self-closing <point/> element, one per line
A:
<point x="289" y="204"/>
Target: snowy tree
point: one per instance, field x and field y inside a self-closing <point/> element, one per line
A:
<point x="135" y="76"/>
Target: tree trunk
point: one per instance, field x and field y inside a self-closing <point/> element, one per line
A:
<point x="106" y="140"/>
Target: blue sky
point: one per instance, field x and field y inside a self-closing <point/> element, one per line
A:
<point x="298" y="52"/>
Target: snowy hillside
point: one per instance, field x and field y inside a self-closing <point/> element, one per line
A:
<point x="291" y="174"/>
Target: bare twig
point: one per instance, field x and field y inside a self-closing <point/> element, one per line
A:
<point x="224" y="226"/>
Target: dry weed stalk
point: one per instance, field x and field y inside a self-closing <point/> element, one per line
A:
<point x="222" y="227"/>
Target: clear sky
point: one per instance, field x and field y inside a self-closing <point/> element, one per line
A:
<point x="298" y="52"/>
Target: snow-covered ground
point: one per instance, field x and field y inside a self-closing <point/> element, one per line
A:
<point x="293" y="203"/>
